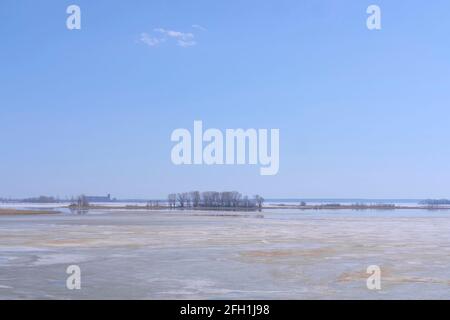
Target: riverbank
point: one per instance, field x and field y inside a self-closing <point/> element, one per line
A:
<point x="55" y="208"/>
<point x="269" y="207"/>
<point x="15" y="212"/>
<point x="357" y="207"/>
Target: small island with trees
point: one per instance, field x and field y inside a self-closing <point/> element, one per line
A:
<point x="213" y="200"/>
<point x="194" y="200"/>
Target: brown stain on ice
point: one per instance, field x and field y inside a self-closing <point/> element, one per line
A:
<point x="277" y="254"/>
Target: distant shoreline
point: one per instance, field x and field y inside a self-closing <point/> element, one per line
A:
<point x="271" y="207"/>
<point x="18" y="212"/>
<point x="353" y="207"/>
<point x="357" y="207"/>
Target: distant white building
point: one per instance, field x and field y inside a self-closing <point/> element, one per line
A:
<point x="99" y="198"/>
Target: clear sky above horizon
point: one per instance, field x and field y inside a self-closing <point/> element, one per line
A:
<point x="361" y="113"/>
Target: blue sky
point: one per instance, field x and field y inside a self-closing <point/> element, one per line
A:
<point x="361" y="113"/>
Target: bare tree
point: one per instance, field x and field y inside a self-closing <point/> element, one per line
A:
<point x="259" y="201"/>
<point x="236" y="198"/>
<point x="195" y="198"/>
<point x="182" y="199"/>
<point x="245" y="201"/>
<point x="172" y="200"/>
<point x="227" y="199"/>
<point x="82" y="202"/>
<point x="207" y="198"/>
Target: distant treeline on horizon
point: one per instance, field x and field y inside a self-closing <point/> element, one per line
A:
<point x="435" y="201"/>
<point x="229" y="198"/>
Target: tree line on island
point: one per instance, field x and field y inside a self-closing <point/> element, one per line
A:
<point x="214" y="200"/>
<point x="227" y="200"/>
<point x="435" y="202"/>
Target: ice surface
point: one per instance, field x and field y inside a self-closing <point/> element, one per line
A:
<point x="288" y="254"/>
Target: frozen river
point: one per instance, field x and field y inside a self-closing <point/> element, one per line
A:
<point x="285" y="254"/>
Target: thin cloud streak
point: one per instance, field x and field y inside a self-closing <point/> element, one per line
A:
<point x="184" y="39"/>
<point x="160" y="35"/>
<point x="199" y="27"/>
<point x="149" y="40"/>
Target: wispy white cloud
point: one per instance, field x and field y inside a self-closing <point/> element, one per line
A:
<point x="199" y="27"/>
<point x="150" y="40"/>
<point x="184" y="39"/>
<point x="159" y="35"/>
